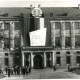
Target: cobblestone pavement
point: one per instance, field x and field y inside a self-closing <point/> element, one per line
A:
<point x="45" y="74"/>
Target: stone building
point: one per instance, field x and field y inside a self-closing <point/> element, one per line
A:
<point x="62" y="37"/>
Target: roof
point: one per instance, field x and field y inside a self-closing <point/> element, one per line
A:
<point x="57" y="11"/>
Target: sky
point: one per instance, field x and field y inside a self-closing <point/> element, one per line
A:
<point x="43" y="3"/>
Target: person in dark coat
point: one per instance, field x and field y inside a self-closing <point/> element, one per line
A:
<point x="26" y="69"/>
<point x="12" y="70"/>
<point x="29" y="69"/>
<point x="54" y="67"/>
<point x="23" y="70"/>
<point x="8" y="71"/>
<point x="27" y="63"/>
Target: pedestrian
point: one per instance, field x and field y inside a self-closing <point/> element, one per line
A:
<point x="29" y="69"/>
<point x="23" y="70"/>
<point x="54" y="67"/>
<point x="68" y="67"/>
<point x="12" y="70"/>
<point x="8" y="71"/>
<point x="26" y="69"/>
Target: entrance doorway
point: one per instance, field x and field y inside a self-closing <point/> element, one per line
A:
<point x="38" y="62"/>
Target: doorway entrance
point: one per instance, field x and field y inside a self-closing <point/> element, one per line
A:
<point x="38" y="62"/>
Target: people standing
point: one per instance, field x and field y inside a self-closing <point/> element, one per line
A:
<point x="8" y="71"/>
<point x="29" y="69"/>
<point x="23" y="70"/>
<point x="54" y="67"/>
<point x="26" y="69"/>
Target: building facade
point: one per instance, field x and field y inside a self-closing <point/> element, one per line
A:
<point x="62" y="38"/>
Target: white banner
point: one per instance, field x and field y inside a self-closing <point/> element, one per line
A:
<point x="38" y="37"/>
<point x="41" y="20"/>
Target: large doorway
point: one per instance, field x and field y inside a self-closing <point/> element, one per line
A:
<point x="38" y="62"/>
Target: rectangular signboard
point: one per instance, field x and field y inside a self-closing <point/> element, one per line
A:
<point x="38" y="37"/>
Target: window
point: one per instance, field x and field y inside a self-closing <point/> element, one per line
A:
<point x="58" y="58"/>
<point x="6" y="43"/>
<point x="6" y="54"/>
<point x="77" y="41"/>
<point x="77" y="25"/>
<point x="6" y="61"/>
<point x="51" y="14"/>
<point x="68" y="61"/>
<point x="17" y="41"/>
<point x="67" y="41"/>
<point x="78" y="57"/>
<point x="58" y="53"/>
<point x="17" y="26"/>
<point x="67" y="26"/>
<point x="57" y="42"/>
<point x="57" y="25"/>
<point x="6" y="26"/>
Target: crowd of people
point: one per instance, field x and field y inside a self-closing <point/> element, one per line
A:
<point x="17" y="70"/>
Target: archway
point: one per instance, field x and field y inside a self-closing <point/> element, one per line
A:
<point x="38" y="62"/>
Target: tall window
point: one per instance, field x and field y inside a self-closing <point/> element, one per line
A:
<point x="68" y="61"/>
<point x="77" y="25"/>
<point x="77" y="41"/>
<point x="57" y="25"/>
<point x="67" y="41"/>
<point x="6" y="43"/>
<point x="17" y="41"/>
<point x="57" y="42"/>
<point x="58" y="60"/>
<point x="6" y="59"/>
<point x="67" y="26"/>
<point x="78" y="57"/>
<point x="17" y="26"/>
<point x="6" y="26"/>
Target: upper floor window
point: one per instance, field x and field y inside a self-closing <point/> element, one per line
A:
<point x="57" y="25"/>
<point x="51" y="14"/>
<point x="17" y="41"/>
<point x="77" y="41"/>
<point x="77" y="25"/>
<point x="6" y="43"/>
<point x="57" y="42"/>
<point x="17" y="25"/>
<point x="67" y="41"/>
<point x="6" y="26"/>
<point x="67" y="26"/>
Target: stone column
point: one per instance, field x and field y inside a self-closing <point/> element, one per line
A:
<point x="44" y="59"/>
<point x="3" y="34"/>
<point x="63" y="35"/>
<point x="22" y="59"/>
<point x="11" y="60"/>
<point x="53" y="58"/>
<point x="11" y="35"/>
<point x="32" y="60"/>
<point x="72" y="35"/>
<point x="53" y="33"/>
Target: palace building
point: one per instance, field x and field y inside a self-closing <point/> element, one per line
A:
<point x="43" y="36"/>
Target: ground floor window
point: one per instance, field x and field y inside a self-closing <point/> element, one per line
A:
<point x="68" y="61"/>
<point x="58" y="60"/>
<point x="6" y="61"/>
<point x="78" y="57"/>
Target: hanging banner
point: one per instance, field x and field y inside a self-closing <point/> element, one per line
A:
<point x="38" y="37"/>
